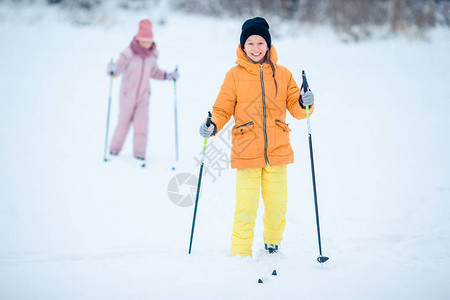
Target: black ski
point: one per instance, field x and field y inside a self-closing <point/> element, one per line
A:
<point x="262" y="279"/>
<point x="140" y="161"/>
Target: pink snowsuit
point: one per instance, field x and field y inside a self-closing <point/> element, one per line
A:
<point x="134" y="98"/>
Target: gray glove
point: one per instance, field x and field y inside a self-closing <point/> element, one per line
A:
<point x="307" y="99"/>
<point x="206" y="131"/>
<point x="111" y="68"/>
<point x="172" y="75"/>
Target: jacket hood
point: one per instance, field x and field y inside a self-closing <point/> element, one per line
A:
<point x="244" y="62"/>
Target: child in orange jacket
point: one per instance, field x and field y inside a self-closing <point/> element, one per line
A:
<point x="257" y="92"/>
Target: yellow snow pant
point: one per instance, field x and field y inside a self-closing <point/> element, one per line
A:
<point x="271" y="181"/>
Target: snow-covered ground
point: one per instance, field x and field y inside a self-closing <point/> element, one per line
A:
<point x="75" y="227"/>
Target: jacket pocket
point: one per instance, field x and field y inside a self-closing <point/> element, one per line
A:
<point x="241" y="129"/>
<point x="283" y="125"/>
<point x="245" y="141"/>
<point x="281" y="135"/>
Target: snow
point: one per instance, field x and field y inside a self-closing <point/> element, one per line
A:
<point x="75" y="227"/>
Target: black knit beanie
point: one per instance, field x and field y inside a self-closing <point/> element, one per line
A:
<point x="257" y="26"/>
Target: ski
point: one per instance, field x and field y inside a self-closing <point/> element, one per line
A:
<point x="263" y="279"/>
<point x="136" y="162"/>
<point x="266" y="265"/>
<point x="143" y="164"/>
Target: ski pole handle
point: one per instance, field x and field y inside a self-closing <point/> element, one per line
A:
<point x="205" y="140"/>
<point x="305" y="89"/>
<point x="176" y="70"/>
<point x="208" y="120"/>
<point x="111" y="72"/>
<point x="305" y="82"/>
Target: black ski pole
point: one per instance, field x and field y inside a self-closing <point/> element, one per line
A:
<point x="320" y="259"/>
<point x="208" y="122"/>
<point x="175" y="115"/>
<point x="105" y="158"/>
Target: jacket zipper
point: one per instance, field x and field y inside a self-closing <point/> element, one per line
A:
<point x="142" y="75"/>
<point x="264" y="114"/>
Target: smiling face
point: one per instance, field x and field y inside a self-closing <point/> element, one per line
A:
<point x="256" y="48"/>
<point x="146" y="44"/>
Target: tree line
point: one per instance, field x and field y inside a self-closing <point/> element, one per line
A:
<point x="358" y="19"/>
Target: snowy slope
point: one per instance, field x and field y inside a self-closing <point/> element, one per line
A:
<point x="75" y="227"/>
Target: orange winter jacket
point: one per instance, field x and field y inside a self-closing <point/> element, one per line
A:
<point x="260" y="135"/>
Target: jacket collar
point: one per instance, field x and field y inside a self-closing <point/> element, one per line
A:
<point x="244" y="62"/>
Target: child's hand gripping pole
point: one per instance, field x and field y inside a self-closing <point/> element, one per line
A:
<point x="305" y="89"/>
<point x="111" y="67"/>
<point x="205" y="141"/>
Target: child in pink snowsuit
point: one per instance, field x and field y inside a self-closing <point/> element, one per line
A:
<point x="138" y="64"/>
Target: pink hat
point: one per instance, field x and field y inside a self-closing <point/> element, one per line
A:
<point x="145" y="30"/>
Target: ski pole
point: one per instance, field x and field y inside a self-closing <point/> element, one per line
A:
<point x="175" y="114"/>
<point x="320" y="259"/>
<point x="208" y="122"/>
<point x="107" y="118"/>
